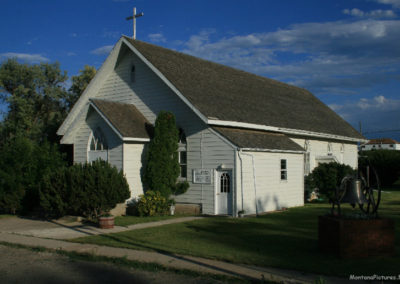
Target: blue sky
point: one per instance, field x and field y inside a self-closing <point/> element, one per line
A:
<point x="346" y="52"/>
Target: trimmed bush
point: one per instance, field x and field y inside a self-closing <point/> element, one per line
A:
<point x="152" y="203"/>
<point x="327" y="177"/>
<point x="162" y="167"/>
<point x="89" y="189"/>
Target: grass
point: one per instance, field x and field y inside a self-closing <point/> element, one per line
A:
<point x="4" y="216"/>
<point x="131" y="220"/>
<point x="285" y="240"/>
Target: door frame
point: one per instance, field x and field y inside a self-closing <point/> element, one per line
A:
<point x="217" y="177"/>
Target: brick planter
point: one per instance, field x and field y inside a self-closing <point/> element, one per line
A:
<point x="106" y="222"/>
<point x="350" y="238"/>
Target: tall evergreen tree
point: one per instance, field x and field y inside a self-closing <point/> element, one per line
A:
<point x="162" y="167"/>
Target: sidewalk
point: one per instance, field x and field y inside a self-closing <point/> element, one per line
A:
<point x="172" y="261"/>
<point x="168" y="260"/>
<point x="56" y="229"/>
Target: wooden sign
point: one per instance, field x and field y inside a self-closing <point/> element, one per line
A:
<point x="203" y="176"/>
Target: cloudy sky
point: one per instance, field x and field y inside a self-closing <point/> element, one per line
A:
<point x="346" y="52"/>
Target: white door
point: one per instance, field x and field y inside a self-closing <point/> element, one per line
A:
<point x="224" y="192"/>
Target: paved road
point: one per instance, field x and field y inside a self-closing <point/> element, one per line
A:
<point x="26" y="266"/>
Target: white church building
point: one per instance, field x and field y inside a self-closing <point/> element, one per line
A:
<point x="246" y="141"/>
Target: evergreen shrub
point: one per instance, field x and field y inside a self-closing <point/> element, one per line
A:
<point x="89" y="189"/>
<point x="162" y="166"/>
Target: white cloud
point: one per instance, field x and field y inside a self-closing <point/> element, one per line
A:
<point x="30" y="58"/>
<point x="373" y="14"/>
<point x="376" y="114"/>
<point x="102" y="50"/>
<point x="158" y="37"/>
<point x="71" y="53"/>
<point x="393" y="3"/>
<point x="73" y="34"/>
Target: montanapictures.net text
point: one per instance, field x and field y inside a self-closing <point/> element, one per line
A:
<point x="375" y="277"/>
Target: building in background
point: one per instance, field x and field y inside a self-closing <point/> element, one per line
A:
<point x="381" y="143"/>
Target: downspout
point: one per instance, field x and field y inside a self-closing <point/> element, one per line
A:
<point x="254" y="180"/>
<point x="241" y="174"/>
<point x="201" y="160"/>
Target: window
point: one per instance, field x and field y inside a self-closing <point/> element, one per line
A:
<point x="342" y="148"/>
<point x="182" y="153"/>
<point x="283" y="169"/>
<point x="98" y="142"/>
<point x="307" y="157"/>
<point x="133" y="73"/>
<point x="225" y="185"/>
<point x="391" y="145"/>
<point x="329" y="149"/>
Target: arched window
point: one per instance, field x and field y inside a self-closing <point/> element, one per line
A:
<point x="329" y="148"/>
<point x="307" y="157"/>
<point x="98" y="141"/>
<point x="182" y="152"/>
<point x="225" y="185"/>
<point x="342" y="148"/>
<point x="133" y="73"/>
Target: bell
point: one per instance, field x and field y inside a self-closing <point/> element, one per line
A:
<point x="354" y="193"/>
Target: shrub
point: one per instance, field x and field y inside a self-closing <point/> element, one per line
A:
<point x="180" y="188"/>
<point x="89" y="189"/>
<point x="152" y="203"/>
<point x="385" y="162"/>
<point x="327" y="177"/>
<point x="23" y="163"/>
<point x="162" y="167"/>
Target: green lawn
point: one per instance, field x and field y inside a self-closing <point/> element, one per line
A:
<point x="3" y="216"/>
<point x="131" y="220"/>
<point x="285" y="239"/>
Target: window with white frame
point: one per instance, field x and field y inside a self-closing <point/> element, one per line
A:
<point x="307" y="157"/>
<point x="283" y="169"/>
<point x="329" y="149"/>
<point x="182" y="154"/>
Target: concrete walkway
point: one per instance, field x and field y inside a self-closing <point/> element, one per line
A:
<point x="59" y="229"/>
<point x="34" y="238"/>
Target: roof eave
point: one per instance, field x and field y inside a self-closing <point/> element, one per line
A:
<point x="283" y="130"/>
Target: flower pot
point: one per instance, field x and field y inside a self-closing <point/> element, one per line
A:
<point x="106" y="222"/>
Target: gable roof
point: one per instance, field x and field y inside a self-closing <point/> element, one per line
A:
<point x="382" y="141"/>
<point x="226" y="94"/>
<point x="255" y="139"/>
<point x="124" y="118"/>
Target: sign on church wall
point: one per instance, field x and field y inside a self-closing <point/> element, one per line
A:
<point x="202" y="176"/>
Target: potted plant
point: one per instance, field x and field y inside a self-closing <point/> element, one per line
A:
<point x="106" y="221"/>
<point x="241" y="213"/>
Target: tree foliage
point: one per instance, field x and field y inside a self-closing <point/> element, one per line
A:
<point x="162" y="167"/>
<point x="22" y="165"/>
<point x="79" y="84"/>
<point x="385" y="162"/>
<point x="36" y="99"/>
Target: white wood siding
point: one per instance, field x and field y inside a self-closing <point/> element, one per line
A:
<point x="133" y="161"/>
<point x="345" y="153"/>
<point x="270" y="192"/>
<point x="150" y="95"/>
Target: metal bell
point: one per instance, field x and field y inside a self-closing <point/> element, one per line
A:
<point x="354" y="193"/>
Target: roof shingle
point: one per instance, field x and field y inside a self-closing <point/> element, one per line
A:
<point x="229" y="94"/>
<point x="125" y="118"/>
